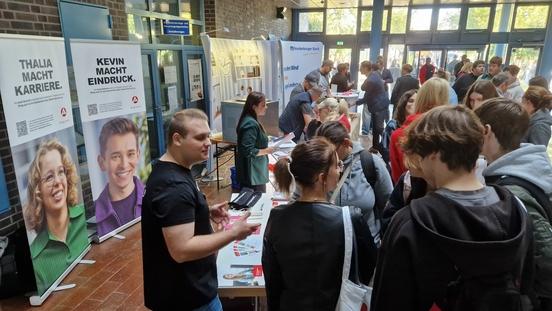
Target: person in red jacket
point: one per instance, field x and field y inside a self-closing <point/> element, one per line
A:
<point x="432" y="94"/>
<point x="427" y="71"/>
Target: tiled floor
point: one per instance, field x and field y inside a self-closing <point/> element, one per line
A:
<point x="115" y="281"/>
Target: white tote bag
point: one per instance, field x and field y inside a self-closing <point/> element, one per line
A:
<point x="353" y="297"/>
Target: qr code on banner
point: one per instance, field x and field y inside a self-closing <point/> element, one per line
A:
<point x="92" y="109"/>
<point x="21" y="128"/>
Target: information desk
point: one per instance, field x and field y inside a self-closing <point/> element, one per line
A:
<point x="351" y="99"/>
<point x="239" y="266"/>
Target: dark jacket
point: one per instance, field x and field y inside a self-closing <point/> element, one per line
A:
<point x="375" y="96"/>
<point x="292" y="120"/>
<point x="303" y="255"/>
<point x="462" y="85"/>
<point x="430" y="240"/>
<point x="539" y="128"/>
<point x="251" y="169"/>
<point x="342" y="82"/>
<point x="387" y="78"/>
<point x="403" y="84"/>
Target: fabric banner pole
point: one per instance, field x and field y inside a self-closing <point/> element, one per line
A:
<point x="110" y="88"/>
<point x="35" y="93"/>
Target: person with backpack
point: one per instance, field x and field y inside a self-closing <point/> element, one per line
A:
<point x="366" y="182"/>
<point x="304" y="241"/>
<point x="526" y="171"/>
<point x="464" y="245"/>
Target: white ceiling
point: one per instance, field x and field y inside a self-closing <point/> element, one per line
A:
<point x="304" y="4"/>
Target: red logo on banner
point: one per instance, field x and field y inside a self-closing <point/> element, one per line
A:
<point x="135" y="99"/>
<point x="63" y="111"/>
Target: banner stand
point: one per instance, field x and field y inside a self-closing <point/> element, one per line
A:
<point x="115" y="232"/>
<point x="39" y="300"/>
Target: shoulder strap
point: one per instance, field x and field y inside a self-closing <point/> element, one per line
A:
<point x="349" y="257"/>
<point x="536" y="192"/>
<point x="368" y="167"/>
<point x="341" y="182"/>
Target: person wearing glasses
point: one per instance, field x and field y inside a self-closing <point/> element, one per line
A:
<point x="253" y="150"/>
<point x="54" y="212"/>
<point x="303" y="241"/>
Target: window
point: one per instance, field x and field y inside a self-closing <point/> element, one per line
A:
<point x="311" y="21"/>
<point x="398" y="19"/>
<point x="504" y="14"/>
<point x="449" y="19"/>
<point x="138" y="28"/>
<point x="160" y="38"/>
<point x="190" y="9"/>
<point x="478" y="18"/>
<point x="498" y="50"/>
<point x="137" y="4"/>
<point x="420" y="19"/>
<point x="531" y="17"/>
<point x="165" y="6"/>
<point x="366" y="21"/>
<point x="341" y="21"/>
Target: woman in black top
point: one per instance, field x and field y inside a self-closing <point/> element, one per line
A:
<point x="304" y="240"/>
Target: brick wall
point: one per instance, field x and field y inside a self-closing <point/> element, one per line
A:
<point x="246" y="19"/>
<point x="40" y="17"/>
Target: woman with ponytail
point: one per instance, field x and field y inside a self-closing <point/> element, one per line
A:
<point x="537" y="101"/>
<point x="304" y="240"/>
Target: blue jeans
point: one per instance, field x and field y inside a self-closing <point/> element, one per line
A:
<point x="366" y="120"/>
<point x="214" y="305"/>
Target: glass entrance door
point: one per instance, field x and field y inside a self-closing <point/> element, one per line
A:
<point x="417" y="58"/>
<point x="153" y="109"/>
<point x="527" y="59"/>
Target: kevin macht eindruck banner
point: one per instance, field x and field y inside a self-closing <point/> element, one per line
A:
<point x="37" y="105"/>
<point x="110" y="88"/>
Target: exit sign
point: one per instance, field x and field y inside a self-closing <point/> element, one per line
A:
<point x="339" y="42"/>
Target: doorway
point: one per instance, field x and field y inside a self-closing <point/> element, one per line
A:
<point x="527" y="59"/>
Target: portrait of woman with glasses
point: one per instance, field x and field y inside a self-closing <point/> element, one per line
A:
<point x="54" y="212"/>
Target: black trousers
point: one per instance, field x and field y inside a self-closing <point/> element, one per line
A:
<point x="378" y="120"/>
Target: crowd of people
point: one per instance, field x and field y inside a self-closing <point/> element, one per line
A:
<point x="450" y="208"/>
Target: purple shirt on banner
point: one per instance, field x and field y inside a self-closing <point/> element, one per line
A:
<point x="107" y="219"/>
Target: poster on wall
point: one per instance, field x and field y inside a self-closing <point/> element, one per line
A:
<point x="196" y="79"/>
<point x="37" y="105"/>
<point x="4" y="198"/>
<point x="110" y="88"/>
<point x="298" y="59"/>
<point x="234" y="70"/>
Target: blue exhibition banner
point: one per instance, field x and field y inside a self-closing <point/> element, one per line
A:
<point x="4" y="199"/>
<point x="176" y="27"/>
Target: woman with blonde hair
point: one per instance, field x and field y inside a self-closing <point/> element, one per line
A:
<point x="467" y="68"/>
<point x="432" y="94"/>
<point x="54" y="212"/>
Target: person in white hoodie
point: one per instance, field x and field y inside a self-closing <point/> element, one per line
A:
<point x="528" y="164"/>
<point x="515" y="91"/>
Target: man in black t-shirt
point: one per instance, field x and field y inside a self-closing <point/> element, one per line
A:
<point x="178" y="243"/>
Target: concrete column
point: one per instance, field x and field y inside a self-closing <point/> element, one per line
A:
<point x="375" y="34"/>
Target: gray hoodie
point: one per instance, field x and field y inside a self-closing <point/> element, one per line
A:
<point x="539" y="128"/>
<point x="529" y="162"/>
<point x="514" y="91"/>
<point x="356" y="190"/>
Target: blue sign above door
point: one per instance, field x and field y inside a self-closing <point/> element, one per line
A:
<point x="176" y="27"/>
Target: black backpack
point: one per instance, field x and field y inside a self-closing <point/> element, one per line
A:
<point x="371" y="175"/>
<point x="484" y="293"/>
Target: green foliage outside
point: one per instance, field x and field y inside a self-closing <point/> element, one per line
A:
<point x="311" y="21"/>
<point x="145" y="156"/>
<point x="530" y="17"/>
<point x="449" y="19"/>
<point x="398" y="19"/>
<point x="341" y="21"/>
<point x="478" y="18"/>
